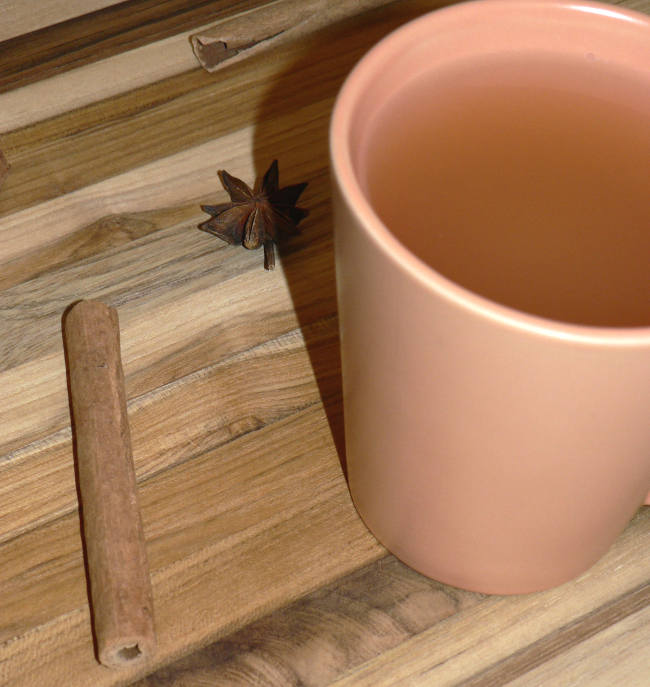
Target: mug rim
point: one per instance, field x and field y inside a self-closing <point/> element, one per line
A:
<point x="345" y="176"/>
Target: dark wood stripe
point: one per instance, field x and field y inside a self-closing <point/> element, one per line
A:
<point x="101" y="34"/>
<point x="562" y="640"/>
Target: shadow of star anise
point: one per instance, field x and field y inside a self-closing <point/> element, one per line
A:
<point x="256" y="217"/>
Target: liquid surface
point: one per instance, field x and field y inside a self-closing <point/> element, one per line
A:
<point x="525" y="181"/>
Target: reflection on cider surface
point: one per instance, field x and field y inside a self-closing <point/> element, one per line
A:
<point x="526" y="181"/>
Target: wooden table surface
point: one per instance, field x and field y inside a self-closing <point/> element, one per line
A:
<point x="262" y="572"/>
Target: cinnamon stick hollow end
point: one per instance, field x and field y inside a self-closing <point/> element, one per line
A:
<point x="120" y="586"/>
<point x="127" y="651"/>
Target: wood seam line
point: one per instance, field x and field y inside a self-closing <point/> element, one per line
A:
<point x="548" y="647"/>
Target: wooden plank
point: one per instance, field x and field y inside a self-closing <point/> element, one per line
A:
<point x="80" y="157"/>
<point x="230" y="311"/>
<point x="18" y="16"/>
<point x="106" y="233"/>
<point x="232" y="375"/>
<point x="353" y="621"/>
<point x="105" y="32"/>
<point x="175" y="180"/>
<point x="161" y="59"/>
<point x="102" y="140"/>
<point x="317" y="638"/>
<point x="243" y="396"/>
<point x="179" y="179"/>
<point x="623" y="658"/>
<point x="224" y="405"/>
<point x="456" y="650"/>
<point x="244" y="528"/>
<point x="577" y="637"/>
<point x="96" y="81"/>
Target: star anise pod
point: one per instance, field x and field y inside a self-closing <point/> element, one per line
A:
<point x="256" y="217"/>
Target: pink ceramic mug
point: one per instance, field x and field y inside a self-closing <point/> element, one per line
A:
<point x="496" y="338"/>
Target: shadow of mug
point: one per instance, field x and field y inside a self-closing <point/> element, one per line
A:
<point x="300" y="99"/>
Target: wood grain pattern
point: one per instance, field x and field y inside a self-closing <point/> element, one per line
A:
<point x="462" y="650"/>
<point x="259" y="563"/>
<point x="386" y="625"/>
<point x="157" y="60"/>
<point x="311" y="641"/>
<point x="86" y="146"/>
<point x="230" y="545"/>
<point x="574" y="637"/>
<point x="623" y="654"/>
<point x="95" y="81"/>
<point x="18" y="16"/>
<point x="105" y="32"/>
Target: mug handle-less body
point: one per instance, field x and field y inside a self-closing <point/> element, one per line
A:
<point x="486" y="457"/>
<point x="487" y="448"/>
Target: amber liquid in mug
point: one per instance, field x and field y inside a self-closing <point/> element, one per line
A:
<point x="525" y="180"/>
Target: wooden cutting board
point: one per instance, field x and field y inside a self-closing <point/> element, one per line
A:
<point x="262" y="571"/>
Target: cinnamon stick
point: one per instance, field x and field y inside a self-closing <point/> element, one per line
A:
<point x="120" y="587"/>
